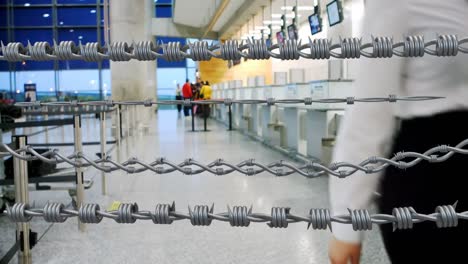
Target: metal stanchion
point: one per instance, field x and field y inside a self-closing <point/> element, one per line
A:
<point x="127" y="118"/>
<point x="22" y="195"/>
<point x="46" y="117"/>
<point x="103" y="150"/>
<point x="79" y="171"/>
<point x="230" y="118"/>
<point x="205" y="116"/>
<point x="193" y="120"/>
<point x="134" y="120"/>
<point x="204" y="123"/>
<point x="118" y="124"/>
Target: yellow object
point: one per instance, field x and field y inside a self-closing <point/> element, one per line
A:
<point x="114" y="206"/>
<point x="206" y="91"/>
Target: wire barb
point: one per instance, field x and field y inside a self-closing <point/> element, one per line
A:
<point x="444" y="216"/>
<point x="256" y="49"/>
<point x="248" y="167"/>
<point x="229" y="101"/>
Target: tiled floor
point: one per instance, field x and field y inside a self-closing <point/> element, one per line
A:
<point x="180" y="242"/>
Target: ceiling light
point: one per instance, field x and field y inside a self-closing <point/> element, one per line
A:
<point x="273" y="22"/>
<point x="71" y="30"/>
<point x="27" y="4"/>
<point x="299" y="8"/>
<point x="80" y="37"/>
<point x="290" y="15"/>
<point x="61" y="23"/>
<point x="93" y="11"/>
<point x="45" y="15"/>
<point x="254" y="31"/>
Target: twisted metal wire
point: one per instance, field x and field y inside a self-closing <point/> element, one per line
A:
<point x="402" y="160"/>
<point x="444" y="216"/>
<point x="229" y="101"/>
<point x="256" y="49"/>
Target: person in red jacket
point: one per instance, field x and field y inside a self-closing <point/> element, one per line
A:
<point x="187" y="94"/>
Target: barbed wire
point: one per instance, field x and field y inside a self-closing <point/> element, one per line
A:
<point x="256" y="49"/>
<point x="238" y="216"/>
<point x="248" y="167"/>
<point x="229" y="101"/>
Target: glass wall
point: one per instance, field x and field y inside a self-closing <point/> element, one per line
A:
<point x="80" y="21"/>
<point x="48" y="20"/>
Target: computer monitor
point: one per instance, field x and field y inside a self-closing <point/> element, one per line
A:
<point x="315" y="23"/>
<point x="292" y="32"/>
<point x="334" y="12"/>
<point x="280" y="37"/>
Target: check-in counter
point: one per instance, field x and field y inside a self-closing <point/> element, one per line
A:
<point x="294" y="128"/>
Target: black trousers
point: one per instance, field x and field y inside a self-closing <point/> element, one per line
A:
<point x="426" y="186"/>
<point x="187" y="109"/>
<point x="179" y="107"/>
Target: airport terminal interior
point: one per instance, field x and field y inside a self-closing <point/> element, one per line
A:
<point x="225" y="131"/>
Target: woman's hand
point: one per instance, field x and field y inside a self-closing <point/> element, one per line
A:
<point x="341" y="252"/>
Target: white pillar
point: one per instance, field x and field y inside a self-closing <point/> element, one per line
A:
<point x="130" y="21"/>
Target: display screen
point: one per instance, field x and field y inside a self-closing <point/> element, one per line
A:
<point x="292" y="32"/>
<point x="280" y="36"/>
<point x="315" y="25"/>
<point x="334" y="13"/>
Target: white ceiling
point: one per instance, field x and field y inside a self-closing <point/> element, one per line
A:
<point x="198" y="13"/>
<point x="227" y="14"/>
<point x="194" y="13"/>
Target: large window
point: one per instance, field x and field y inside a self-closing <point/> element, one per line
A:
<point x="163" y="8"/>
<point x="48" y="20"/>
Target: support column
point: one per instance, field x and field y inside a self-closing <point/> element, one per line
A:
<point x="22" y="196"/>
<point x="78" y="170"/>
<point x="130" y="21"/>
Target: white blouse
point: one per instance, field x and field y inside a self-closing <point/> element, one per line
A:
<point x="368" y="128"/>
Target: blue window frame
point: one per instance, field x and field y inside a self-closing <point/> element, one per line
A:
<point x="167" y="64"/>
<point x="164" y="11"/>
<point x="4" y="39"/>
<point x="3" y="17"/>
<point x="31" y="2"/>
<point x="33" y="35"/>
<point x="77" y="1"/>
<point x="34" y="65"/>
<point x="84" y="35"/>
<point x="32" y="16"/>
<point x="4" y="36"/>
<point x="76" y="16"/>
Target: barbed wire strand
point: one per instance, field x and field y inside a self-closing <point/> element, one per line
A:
<point x="229" y="101"/>
<point x="237" y="216"/>
<point x="290" y="49"/>
<point x="401" y="160"/>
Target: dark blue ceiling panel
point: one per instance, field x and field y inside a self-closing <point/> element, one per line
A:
<point x="81" y="16"/>
<point x="33" y="16"/>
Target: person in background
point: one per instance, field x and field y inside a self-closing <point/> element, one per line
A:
<point x="206" y="91"/>
<point x="28" y="98"/>
<point x="187" y="94"/>
<point x="196" y="97"/>
<point x="205" y="94"/>
<point x="381" y="129"/>
<point x="178" y="97"/>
